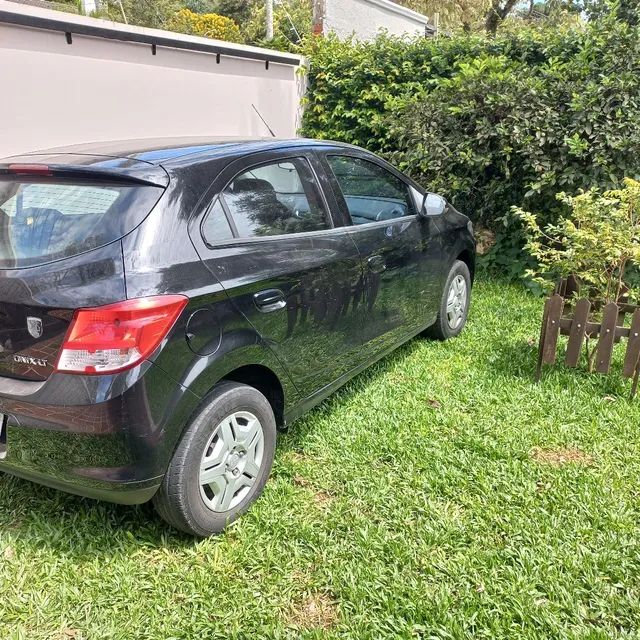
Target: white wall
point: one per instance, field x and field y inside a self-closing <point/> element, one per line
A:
<point x="94" y="89"/>
<point x="365" y="18"/>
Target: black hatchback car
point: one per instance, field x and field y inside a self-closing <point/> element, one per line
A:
<point x="165" y="305"/>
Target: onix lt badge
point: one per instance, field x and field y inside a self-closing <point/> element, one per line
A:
<point x="34" y="362"/>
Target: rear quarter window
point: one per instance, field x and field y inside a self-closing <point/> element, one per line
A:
<point x="42" y="221"/>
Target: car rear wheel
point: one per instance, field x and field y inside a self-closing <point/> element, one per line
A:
<point x="222" y="461"/>
<point x="454" y="305"/>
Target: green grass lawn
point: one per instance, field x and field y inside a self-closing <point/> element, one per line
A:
<point x="441" y="494"/>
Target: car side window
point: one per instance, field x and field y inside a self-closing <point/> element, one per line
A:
<point x="277" y="198"/>
<point x="216" y="227"/>
<point x="371" y="192"/>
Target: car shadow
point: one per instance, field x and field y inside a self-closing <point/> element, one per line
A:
<point x="78" y="527"/>
<point x="64" y="522"/>
<point x="70" y="525"/>
<point x="297" y="433"/>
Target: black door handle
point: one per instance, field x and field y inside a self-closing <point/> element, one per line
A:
<point x="376" y="264"/>
<point x="269" y="300"/>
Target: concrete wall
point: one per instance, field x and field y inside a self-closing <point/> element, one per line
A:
<point x="365" y="18"/>
<point x="55" y="93"/>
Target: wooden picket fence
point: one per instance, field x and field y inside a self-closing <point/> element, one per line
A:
<point x="562" y="317"/>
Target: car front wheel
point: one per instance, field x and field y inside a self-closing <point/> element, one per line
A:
<point x="222" y="461"/>
<point x="454" y="305"/>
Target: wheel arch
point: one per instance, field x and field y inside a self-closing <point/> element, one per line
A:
<point x="265" y="381"/>
<point x="468" y="256"/>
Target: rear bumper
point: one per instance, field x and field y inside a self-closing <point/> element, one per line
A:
<point x="112" y="439"/>
<point x="122" y="493"/>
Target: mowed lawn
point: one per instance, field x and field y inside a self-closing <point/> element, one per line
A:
<point x="441" y="494"/>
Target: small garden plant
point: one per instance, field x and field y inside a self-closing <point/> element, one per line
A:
<point x="598" y="244"/>
<point x="590" y="259"/>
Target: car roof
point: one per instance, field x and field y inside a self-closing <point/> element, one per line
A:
<point x="165" y="151"/>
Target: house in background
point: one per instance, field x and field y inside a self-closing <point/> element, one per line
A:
<point x="364" y="19"/>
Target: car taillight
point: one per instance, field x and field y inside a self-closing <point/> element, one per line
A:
<point x="118" y="336"/>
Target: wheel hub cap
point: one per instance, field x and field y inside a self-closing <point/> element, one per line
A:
<point x="231" y="461"/>
<point x="456" y="302"/>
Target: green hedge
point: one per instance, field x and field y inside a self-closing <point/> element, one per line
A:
<point x="490" y="123"/>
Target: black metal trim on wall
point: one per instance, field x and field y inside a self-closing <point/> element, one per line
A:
<point x="68" y="28"/>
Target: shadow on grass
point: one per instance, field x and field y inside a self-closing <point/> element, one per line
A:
<point x="295" y="434"/>
<point x="518" y="360"/>
<point x="512" y="359"/>
<point x="82" y="527"/>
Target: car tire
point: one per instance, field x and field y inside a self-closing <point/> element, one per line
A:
<point x="454" y="305"/>
<point x="231" y="442"/>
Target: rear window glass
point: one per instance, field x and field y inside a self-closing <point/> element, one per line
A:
<point x="45" y="221"/>
<point x="275" y="199"/>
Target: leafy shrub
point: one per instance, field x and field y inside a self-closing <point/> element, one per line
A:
<point x="354" y="86"/>
<point x="627" y="10"/>
<point x="599" y="241"/>
<point x="209" y="25"/>
<point x="490" y="123"/>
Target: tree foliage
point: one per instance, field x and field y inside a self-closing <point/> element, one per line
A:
<point x="497" y="13"/>
<point x="467" y="14"/>
<point x="208" y="25"/>
<point x="145" y="13"/>
<point x="238" y="10"/>
<point x="625" y="10"/>
<point x="202" y="6"/>
<point x="292" y="21"/>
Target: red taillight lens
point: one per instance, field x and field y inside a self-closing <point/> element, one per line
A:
<point x="118" y="336"/>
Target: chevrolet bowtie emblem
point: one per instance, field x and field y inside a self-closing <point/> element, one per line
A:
<point x="34" y="327"/>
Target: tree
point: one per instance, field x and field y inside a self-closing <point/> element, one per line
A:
<point x="551" y="8"/>
<point x="208" y="25"/>
<point x="144" y="13"/>
<point x="496" y="14"/>
<point x="202" y="6"/>
<point x="467" y="14"/>
<point x="625" y="10"/>
<point x="292" y="20"/>
<point x="240" y="11"/>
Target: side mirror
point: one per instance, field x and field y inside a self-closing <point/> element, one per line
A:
<point x="433" y="205"/>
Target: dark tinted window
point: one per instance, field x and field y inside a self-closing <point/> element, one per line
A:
<point x="215" y="227"/>
<point x="49" y="220"/>
<point x="371" y="192"/>
<point x="274" y="199"/>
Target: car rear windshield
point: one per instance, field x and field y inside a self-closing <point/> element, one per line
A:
<point x="46" y="220"/>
